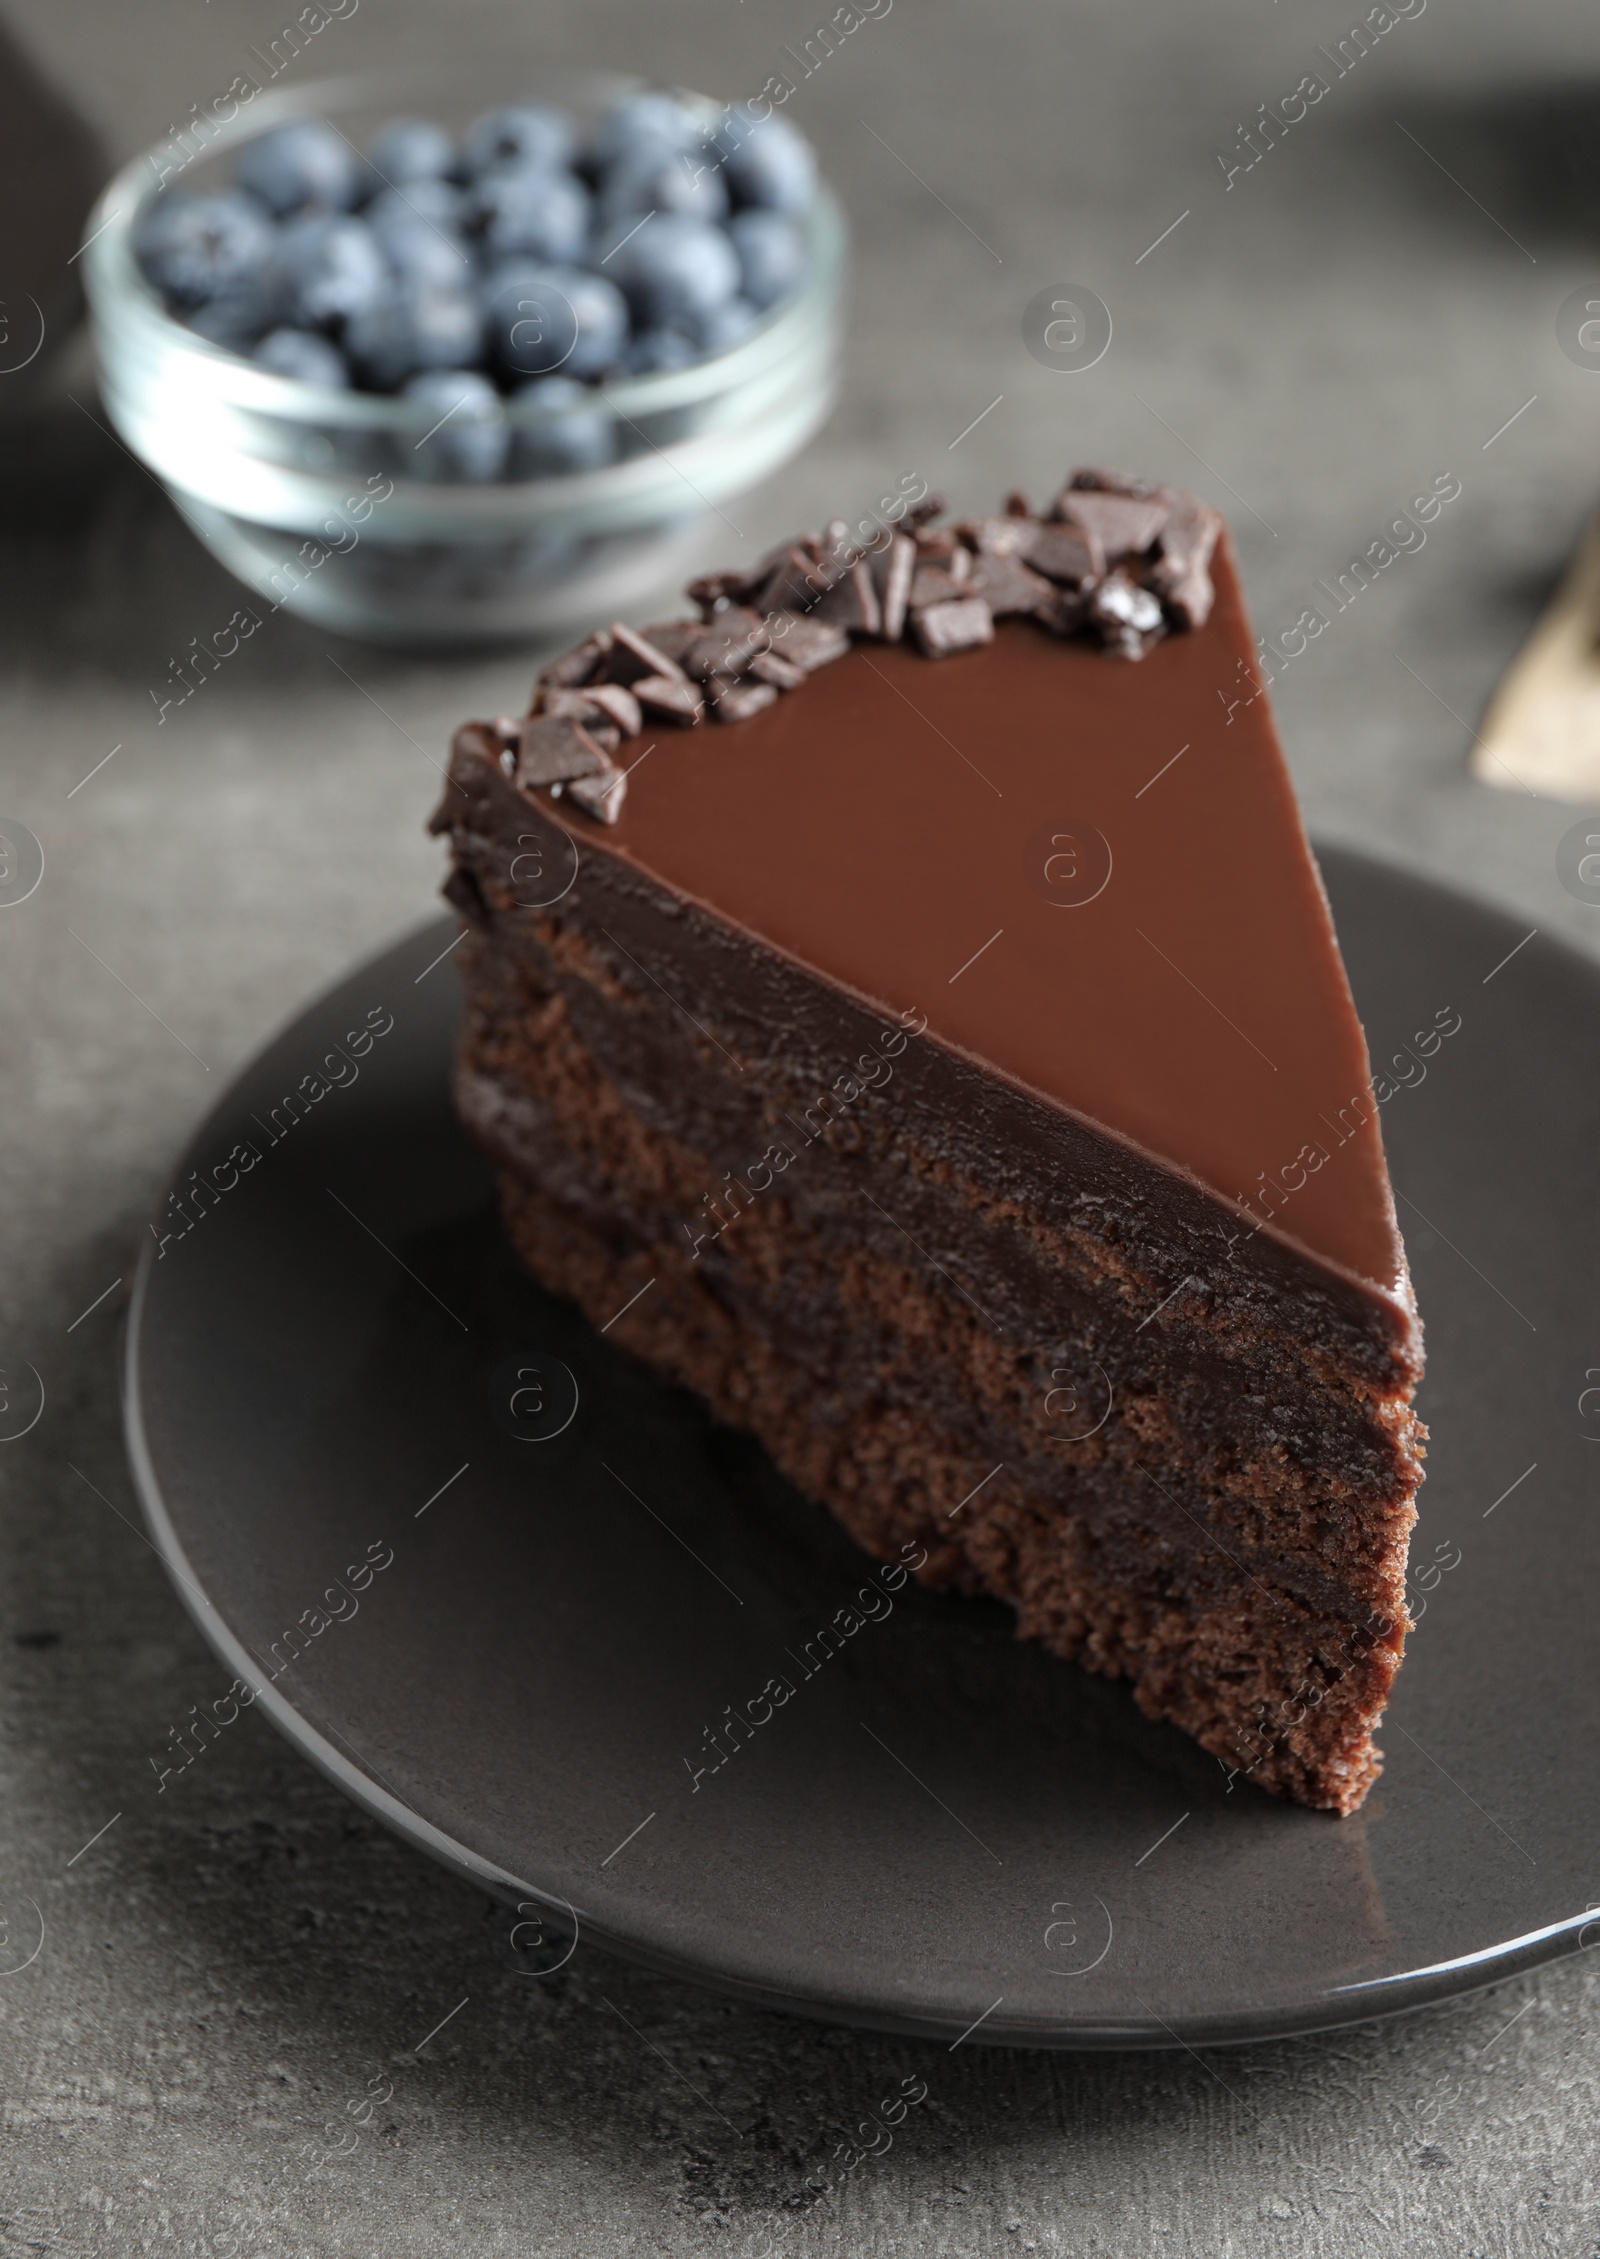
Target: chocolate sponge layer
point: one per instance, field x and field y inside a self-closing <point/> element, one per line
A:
<point x="951" y="1311"/>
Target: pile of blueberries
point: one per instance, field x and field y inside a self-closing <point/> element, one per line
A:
<point x="522" y="261"/>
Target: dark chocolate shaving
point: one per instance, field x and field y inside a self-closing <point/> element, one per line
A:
<point x="672" y="695"/>
<point x="1007" y="585"/>
<point x="793" y="585"/>
<point x="931" y="584"/>
<point x="998" y="537"/>
<point x="1119" y="525"/>
<point x="892" y="569"/>
<point x="1118" y="561"/>
<point x="557" y="750"/>
<point x="808" y="643"/>
<point x="727" y="644"/>
<point x="618" y="703"/>
<point x="712" y="591"/>
<point x="739" y="701"/>
<point x="632" y="660"/>
<point x="673" y="637"/>
<point x="1127" y="616"/>
<point x="1181" y="574"/>
<point x="1106" y="482"/>
<point x="1064" y="553"/>
<point x="960" y="625"/>
<point x="577" y="666"/>
<point x="601" y="796"/>
<point x="852" y="602"/>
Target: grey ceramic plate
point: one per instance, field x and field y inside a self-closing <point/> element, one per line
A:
<point x="942" y="1828"/>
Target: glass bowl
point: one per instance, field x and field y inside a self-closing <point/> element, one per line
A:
<point x="310" y="496"/>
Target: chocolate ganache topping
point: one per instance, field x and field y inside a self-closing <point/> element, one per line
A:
<point x="1114" y="562"/>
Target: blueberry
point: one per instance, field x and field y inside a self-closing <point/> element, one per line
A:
<point x="639" y="121"/>
<point x="335" y="268"/>
<point x="303" y="355"/>
<point x="655" y="349"/>
<point x="727" y="325"/>
<point x="579" y="437"/>
<point x="195" y="248"/>
<point x="416" y="326"/>
<point x="674" y="271"/>
<point x="648" y="181"/>
<point x="462" y="432"/>
<point x="235" y="319"/>
<point x="528" y="134"/>
<point x="772" y="254"/>
<point x="768" y="162"/>
<point x="306" y="162"/>
<point x="533" y="213"/>
<point x="412" y="149"/>
<point x="439" y="202"/>
<point x="416" y="247"/>
<point x="541" y="319"/>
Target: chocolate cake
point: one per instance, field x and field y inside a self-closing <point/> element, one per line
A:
<point x="902" y="1006"/>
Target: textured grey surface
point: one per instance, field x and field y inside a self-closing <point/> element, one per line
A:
<point x="229" y="1964"/>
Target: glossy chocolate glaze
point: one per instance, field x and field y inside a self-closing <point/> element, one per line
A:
<point x="888" y="825"/>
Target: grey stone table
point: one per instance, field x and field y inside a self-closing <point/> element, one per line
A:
<point x="1310" y="346"/>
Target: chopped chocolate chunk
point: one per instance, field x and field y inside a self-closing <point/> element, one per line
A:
<point x="956" y="626"/>
<point x="577" y="666"/>
<point x="941" y="546"/>
<point x="713" y="590"/>
<point x="673" y="637"/>
<point x="781" y="673"/>
<point x="920" y="512"/>
<point x="794" y="584"/>
<point x="1181" y="573"/>
<point x="738" y="701"/>
<point x="835" y="552"/>
<point x="1123" y="526"/>
<point x="892" y="568"/>
<point x="568" y="705"/>
<point x="998" y="537"/>
<point x="601" y="796"/>
<point x="587" y="707"/>
<point x="1017" y="504"/>
<point x="1065" y="553"/>
<point x="1129" y="617"/>
<point x="1120" y="602"/>
<point x="932" y="584"/>
<point x="1107" y="482"/>
<point x="808" y="643"/>
<point x="726" y="644"/>
<point x="557" y="750"/>
<point x="852" y="602"/>
<point x="1007" y="585"/>
<point x="672" y="695"/>
<point x="619" y="703"/>
<point x="481" y="741"/>
<point x="1065" y="610"/>
<point x="631" y="659"/>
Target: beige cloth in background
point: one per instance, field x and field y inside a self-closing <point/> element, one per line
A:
<point x="1542" y="730"/>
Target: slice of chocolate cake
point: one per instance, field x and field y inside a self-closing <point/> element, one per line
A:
<point x="919" y="1029"/>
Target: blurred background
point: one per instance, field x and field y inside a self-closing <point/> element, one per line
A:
<point x="1310" y="343"/>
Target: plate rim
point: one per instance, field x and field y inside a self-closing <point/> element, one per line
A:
<point x="1367" y="2000"/>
